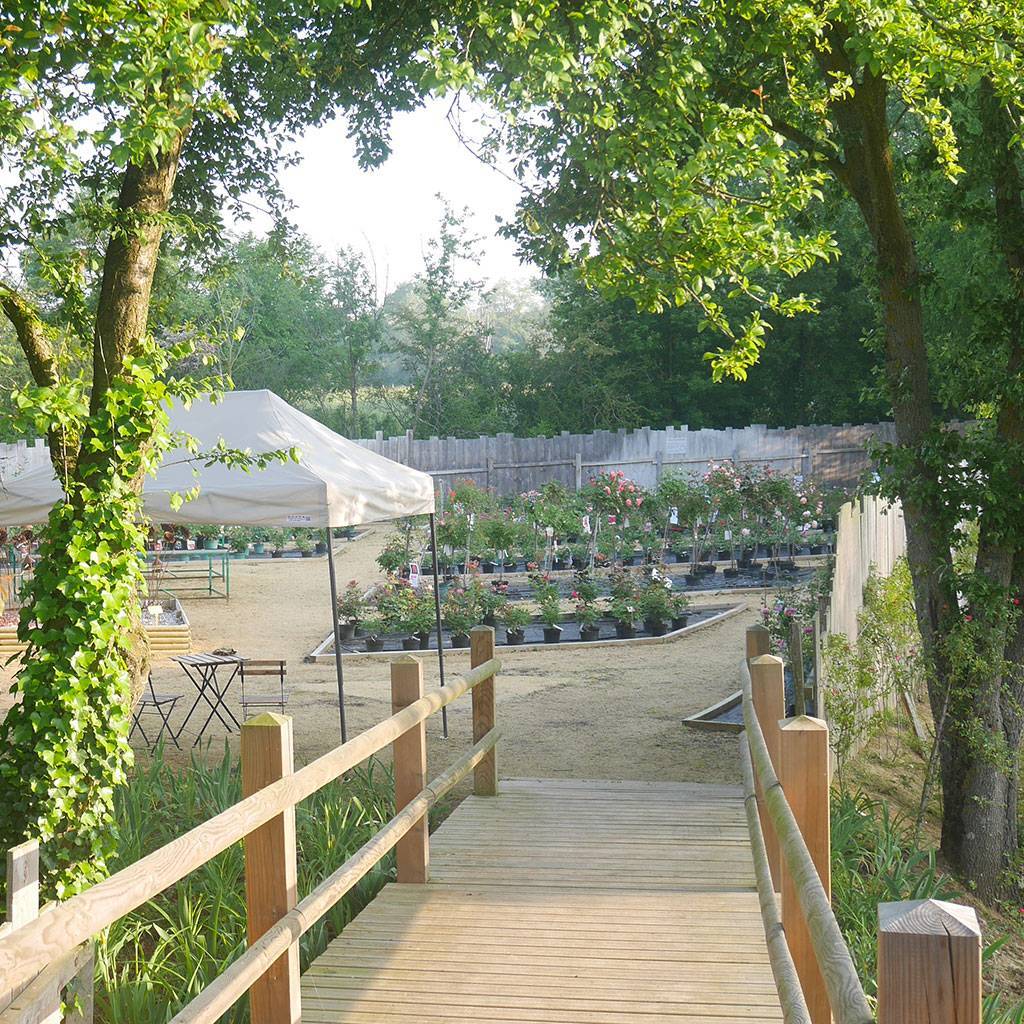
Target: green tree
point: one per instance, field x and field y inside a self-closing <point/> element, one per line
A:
<point x="680" y="153"/>
<point x="134" y="122"/>
<point x="440" y="341"/>
<point x="355" y="324"/>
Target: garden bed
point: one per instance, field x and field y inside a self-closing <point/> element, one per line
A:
<point x="744" y="579"/>
<point x="323" y="653"/>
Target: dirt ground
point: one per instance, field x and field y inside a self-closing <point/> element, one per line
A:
<point x="610" y="712"/>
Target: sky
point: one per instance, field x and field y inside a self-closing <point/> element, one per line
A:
<point x="394" y="209"/>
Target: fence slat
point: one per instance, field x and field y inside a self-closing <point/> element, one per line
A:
<point x="803" y="770"/>
<point x="481" y="650"/>
<point x="270" y="866"/>
<point x="929" y="963"/>
<point x="412" y="854"/>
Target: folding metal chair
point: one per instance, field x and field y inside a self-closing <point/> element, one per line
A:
<point x="276" y="697"/>
<point x="162" y="704"/>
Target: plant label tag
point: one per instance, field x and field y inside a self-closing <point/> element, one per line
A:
<point x="673" y="516"/>
<point x="647" y="527"/>
<point x="414" y="575"/>
<point x="298" y="519"/>
<point x="727" y="534"/>
<point x="472" y="520"/>
<point x="586" y="524"/>
<point x="549" y="531"/>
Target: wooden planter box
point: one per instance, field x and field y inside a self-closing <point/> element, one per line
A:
<point x="164" y="641"/>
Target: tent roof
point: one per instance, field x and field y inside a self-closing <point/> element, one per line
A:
<point x="336" y="482"/>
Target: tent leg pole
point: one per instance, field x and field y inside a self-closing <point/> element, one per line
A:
<point x="337" y="634"/>
<point x="437" y="617"/>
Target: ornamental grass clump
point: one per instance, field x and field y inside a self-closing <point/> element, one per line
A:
<point x="153" y="961"/>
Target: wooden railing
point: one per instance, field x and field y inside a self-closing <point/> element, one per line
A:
<point x="929" y="953"/>
<point x="41" y="955"/>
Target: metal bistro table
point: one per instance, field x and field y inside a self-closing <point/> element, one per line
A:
<point x="202" y="671"/>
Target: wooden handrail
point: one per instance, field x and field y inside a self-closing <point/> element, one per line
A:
<point x="25" y="951"/>
<point x="846" y="995"/>
<point x="229" y="986"/>
<point x="791" y="996"/>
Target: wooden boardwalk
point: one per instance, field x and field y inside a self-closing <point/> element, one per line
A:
<point x="564" y="902"/>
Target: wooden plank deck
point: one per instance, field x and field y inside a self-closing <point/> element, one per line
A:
<point x="564" y="902"/>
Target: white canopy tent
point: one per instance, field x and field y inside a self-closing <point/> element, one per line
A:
<point x="334" y="482"/>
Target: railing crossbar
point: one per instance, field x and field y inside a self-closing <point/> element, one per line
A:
<point x="845" y="992"/>
<point x="791" y="996"/>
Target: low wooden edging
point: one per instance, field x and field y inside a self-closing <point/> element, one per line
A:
<point x="320" y="657"/>
<point x="706" y="719"/>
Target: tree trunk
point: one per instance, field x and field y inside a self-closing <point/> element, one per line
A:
<point x="979" y="789"/>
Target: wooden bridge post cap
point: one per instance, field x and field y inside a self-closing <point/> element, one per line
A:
<point x="803" y="723"/>
<point x="406" y="659"/>
<point x="766" y="659"/>
<point x="481" y="629"/>
<point x="928" y="917"/>
<point x="265" y="719"/>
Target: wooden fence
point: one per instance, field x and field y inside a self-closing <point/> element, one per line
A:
<point x="42" y="954"/>
<point x="832" y="455"/>
<point x="929" y="952"/>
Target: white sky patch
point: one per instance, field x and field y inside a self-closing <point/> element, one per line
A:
<point x="393" y="210"/>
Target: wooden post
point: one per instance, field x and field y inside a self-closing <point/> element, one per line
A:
<point x="796" y="664"/>
<point x="578" y="466"/>
<point x="481" y="649"/>
<point x="768" y="694"/>
<point x="758" y="641"/>
<point x="929" y="963"/>
<point x="412" y="853"/>
<point x="270" y="868"/>
<point x="803" y="771"/>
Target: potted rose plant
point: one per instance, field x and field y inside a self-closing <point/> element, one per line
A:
<point x="655" y="607"/>
<point x="549" y="605"/>
<point x="680" y="605"/>
<point x="350" y="606"/>
<point x="515" y="618"/>
<point x="459" y="615"/>
<point x="374" y="628"/>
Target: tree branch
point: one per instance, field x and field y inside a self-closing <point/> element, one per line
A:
<point x="32" y="336"/>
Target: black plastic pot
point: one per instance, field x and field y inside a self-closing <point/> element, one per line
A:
<point x="692" y="578"/>
<point x="346" y="630"/>
<point x="817" y="549"/>
<point x="552" y="634"/>
<point x="630" y="559"/>
<point x="424" y="639"/>
<point x="308" y="553"/>
<point x="724" y="554"/>
<point x="374" y="643"/>
<point x="590" y="633"/>
<point x="708" y="568"/>
<point x="678" y="621"/>
<point x="489" y="620"/>
<point x="514" y="637"/>
<point x="276" y="554"/>
<point x="510" y="565"/>
<point x="558" y="564"/>
<point x="321" y="547"/>
<point x="730" y="573"/>
<point x="488" y="567"/>
<point x="411" y="643"/>
<point x="655" y="628"/>
<point x="624" y="630"/>
<point x="460" y="639"/>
